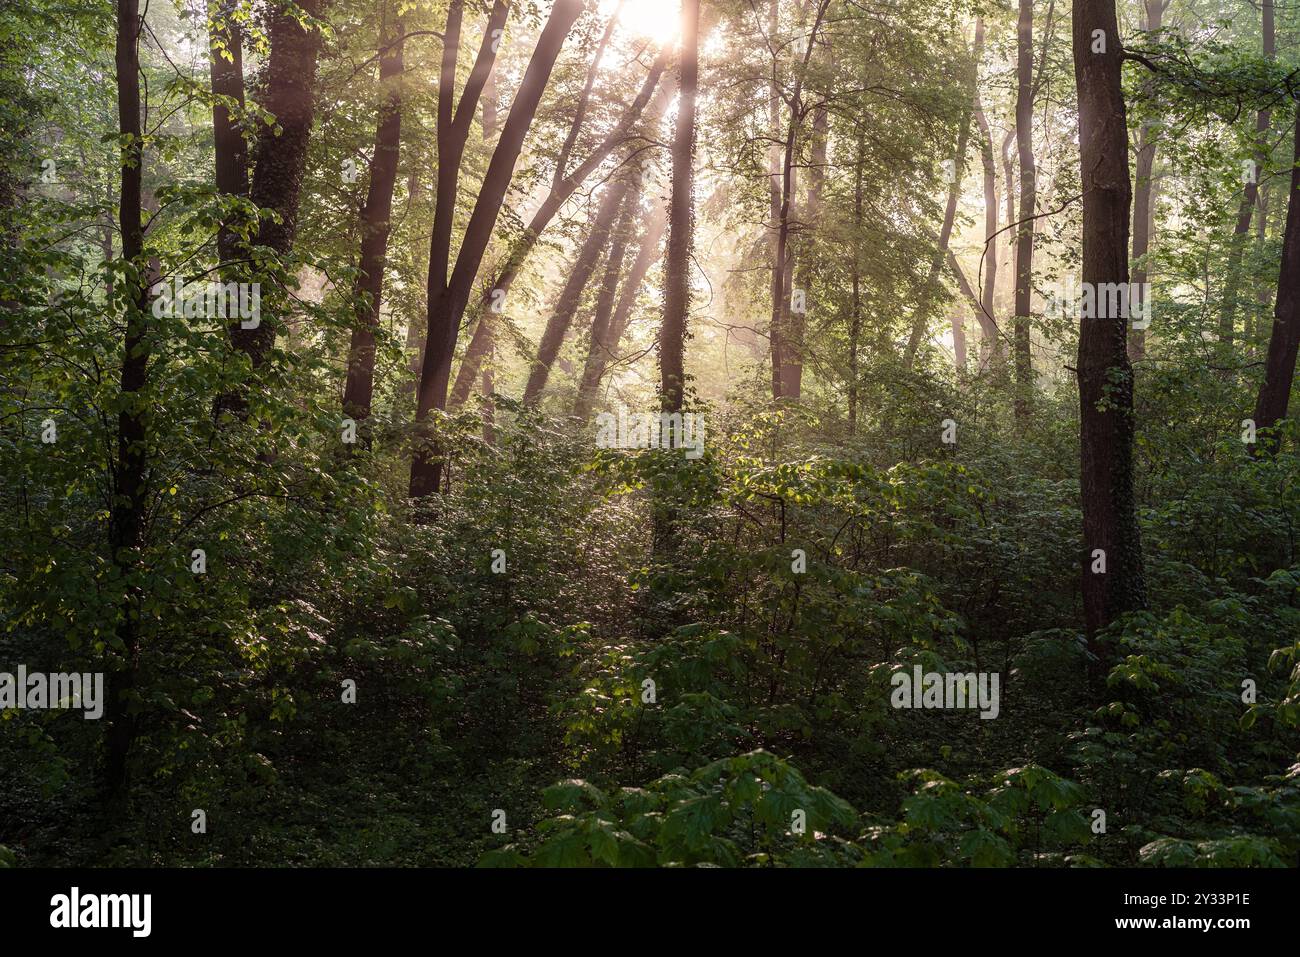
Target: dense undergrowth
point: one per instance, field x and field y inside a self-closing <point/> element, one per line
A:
<point x="702" y="702"/>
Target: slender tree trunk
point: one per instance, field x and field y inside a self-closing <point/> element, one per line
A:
<point x="681" y="220"/>
<point x="562" y="187"/>
<point x="1105" y="376"/>
<point x="986" y="305"/>
<point x="447" y="302"/>
<point x="127" y="514"/>
<point x="566" y="307"/>
<point x="1232" y="273"/>
<point x="1028" y="198"/>
<point x="600" y="350"/>
<point x="1279" y="364"/>
<point x="855" y="314"/>
<point x="226" y="58"/>
<point x="782" y="265"/>
<point x="958" y="341"/>
<point x="375" y="225"/>
<point x="1009" y="197"/>
<point x="775" y="177"/>
<point x="792" y="376"/>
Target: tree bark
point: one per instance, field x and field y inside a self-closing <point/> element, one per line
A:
<point x="1104" y="374"/>
<point x="1144" y="193"/>
<point x="280" y="160"/>
<point x="375" y="225"/>
<point x="1279" y="364"/>
<point x="855" y="308"/>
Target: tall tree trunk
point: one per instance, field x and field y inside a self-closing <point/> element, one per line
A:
<point x="127" y="514"/>
<point x="226" y="59"/>
<point x="566" y="307"/>
<point x="1279" y="364"/>
<point x="681" y="220"/>
<point x="1104" y="374"/>
<point x="375" y="225"/>
<point x="855" y="313"/>
<point x="1009" y="197"/>
<point x="792" y="375"/>
<point x="1143" y="196"/>
<point x="562" y="187"/>
<point x="782" y="264"/>
<point x="986" y="304"/>
<point x="776" y="336"/>
<point x="1028" y="198"/>
<point x="600" y="349"/>
<point x="1232" y="273"/>
<point x="447" y="301"/>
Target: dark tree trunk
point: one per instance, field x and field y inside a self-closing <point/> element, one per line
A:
<point x="1028" y="197"/>
<point x="127" y="514"/>
<point x="376" y="218"/>
<point x="776" y="335"/>
<point x="566" y="307"/>
<point x="279" y="161"/>
<point x="1104" y="373"/>
<point x="1279" y="365"/>
<point x="447" y="301"/>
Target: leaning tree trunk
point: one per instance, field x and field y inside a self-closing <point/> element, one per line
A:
<point x="599" y="348"/>
<point x="1279" y="365"/>
<point x="376" y="216"/>
<point x="566" y="307"/>
<point x="447" y="304"/>
<point x="1105" y="376"/>
<point x="602" y="354"/>
<point x="562" y="187"/>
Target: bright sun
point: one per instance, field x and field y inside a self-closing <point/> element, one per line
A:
<point x="655" y="20"/>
